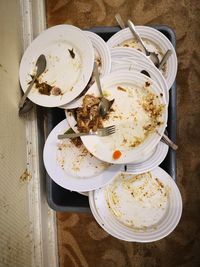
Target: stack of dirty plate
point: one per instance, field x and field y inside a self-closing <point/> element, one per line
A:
<point x="130" y="196"/>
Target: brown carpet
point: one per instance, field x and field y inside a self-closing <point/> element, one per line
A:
<point x="81" y="241"/>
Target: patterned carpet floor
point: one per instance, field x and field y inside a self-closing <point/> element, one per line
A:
<point x="81" y="241"/>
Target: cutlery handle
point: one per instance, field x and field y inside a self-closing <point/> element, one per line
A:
<point x="96" y="74"/>
<point x="165" y="58"/>
<point x="169" y="142"/>
<point x="138" y="38"/>
<point x="21" y="103"/>
<point x="120" y="21"/>
<point x="73" y="135"/>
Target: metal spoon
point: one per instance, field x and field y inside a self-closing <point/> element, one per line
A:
<point x="131" y="26"/>
<point x="40" y="67"/>
<point x="152" y="55"/>
<point x="28" y="105"/>
<point x="165" y="58"/>
<point x="104" y="104"/>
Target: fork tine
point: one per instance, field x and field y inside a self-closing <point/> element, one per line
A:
<point x="110" y="127"/>
<point x="107" y="130"/>
<point x="110" y="131"/>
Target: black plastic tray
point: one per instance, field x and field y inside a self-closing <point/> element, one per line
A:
<point x="61" y="199"/>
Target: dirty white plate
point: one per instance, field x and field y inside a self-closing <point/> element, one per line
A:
<point x="101" y="52"/>
<point x="150" y="163"/>
<point x="72" y="167"/>
<point x="146" y="162"/>
<point x="100" y="221"/>
<point x="156" y="42"/>
<point x="103" y="59"/>
<point x="128" y="116"/>
<point x="140" y="65"/>
<point x="69" y="73"/>
<point x="119" y="54"/>
<point x="142" y="208"/>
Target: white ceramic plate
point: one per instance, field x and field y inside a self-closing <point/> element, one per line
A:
<point x="70" y="74"/>
<point x="140" y="65"/>
<point x="100" y="221"/>
<point x="102" y="52"/>
<point x="155" y="41"/>
<point x="141" y="222"/>
<point x="153" y="161"/>
<point x="147" y="162"/>
<point x="123" y="116"/>
<point x="119" y="54"/>
<point x="74" y="168"/>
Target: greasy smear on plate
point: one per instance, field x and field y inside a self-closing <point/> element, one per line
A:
<point x="98" y="61"/>
<point x="138" y="201"/>
<point x="77" y="161"/>
<point x="137" y="113"/>
<point x="64" y="68"/>
<point x="133" y="43"/>
<point x="150" y="45"/>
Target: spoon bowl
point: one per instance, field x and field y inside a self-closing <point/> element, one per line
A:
<point x="104" y="104"/>
<point x="40" y="68"/>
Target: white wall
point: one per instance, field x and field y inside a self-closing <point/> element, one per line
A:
<point x="27" y="225"/>
<point x="15" y="227"/>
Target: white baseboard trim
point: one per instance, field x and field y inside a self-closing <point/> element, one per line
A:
<point x="42" y="218"/>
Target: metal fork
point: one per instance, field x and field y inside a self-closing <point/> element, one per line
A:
<point x="100" y="132"/>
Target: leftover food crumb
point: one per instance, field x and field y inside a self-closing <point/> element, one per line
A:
<point x="25" y="177"/>
<point x="46" y="89"/>
<point x="71" y="52"/>
<point x="117" y="154"/>
<point x="147" y="84"/>
<point x="98" y="61"/>
<point x="121" y="88"/>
